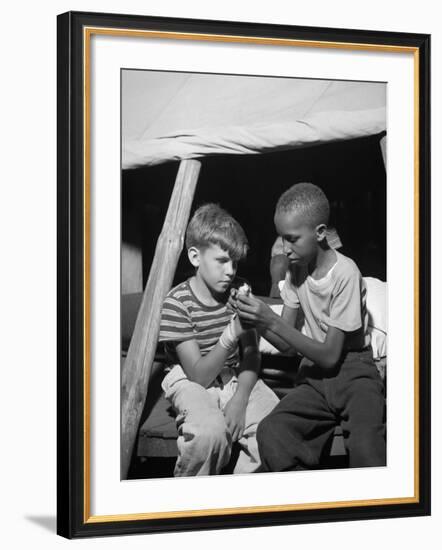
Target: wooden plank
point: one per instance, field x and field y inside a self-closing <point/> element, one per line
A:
<point x="137" y="367"/>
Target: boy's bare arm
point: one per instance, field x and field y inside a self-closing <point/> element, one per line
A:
<point x="285" y="337"/>
<point x="250" y="364"/>
<point x="235" y="409"/>
<point x="278" y="268"/>
<point x="202" y="370"/>
<point x="289" y="315"/>
<point x="325" y="354"/>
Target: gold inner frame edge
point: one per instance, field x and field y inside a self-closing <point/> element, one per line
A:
<point x="87" y="33"/>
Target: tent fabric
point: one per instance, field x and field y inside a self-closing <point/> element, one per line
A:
<point x="259" y="138"/>
<point x="181" y="116"/>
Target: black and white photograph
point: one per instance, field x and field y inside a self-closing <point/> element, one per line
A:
<point x="243" y="269"/>
<point x="253" y="274"/>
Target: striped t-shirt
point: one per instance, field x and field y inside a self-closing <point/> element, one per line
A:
<point x="184" y="318"/>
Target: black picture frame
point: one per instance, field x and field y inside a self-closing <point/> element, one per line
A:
<point x="74" y="518"/>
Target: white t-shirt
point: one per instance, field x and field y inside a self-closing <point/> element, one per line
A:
<point x="337" y="300"/>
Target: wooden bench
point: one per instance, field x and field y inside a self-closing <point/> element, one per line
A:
<point x="157" y="447"/>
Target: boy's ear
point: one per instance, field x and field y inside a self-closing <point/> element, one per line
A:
<point x="194" y="256"/>
<point x="321" y="232"/>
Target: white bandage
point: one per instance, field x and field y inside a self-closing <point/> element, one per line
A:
<point x="229" y="338"/>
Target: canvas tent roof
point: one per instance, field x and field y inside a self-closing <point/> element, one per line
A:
<point x="176" y="116"/>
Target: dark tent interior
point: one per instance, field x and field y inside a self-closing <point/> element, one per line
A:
<point x="351" y="173"/>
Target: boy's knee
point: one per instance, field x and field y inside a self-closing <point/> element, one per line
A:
<point x="281" y="448"/>
<point x="367" y="446"/>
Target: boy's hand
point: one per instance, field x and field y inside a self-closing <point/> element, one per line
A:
<point x="235" y="415"/>
<point x="254" y="312"/>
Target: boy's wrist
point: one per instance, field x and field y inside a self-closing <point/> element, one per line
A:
<point x="272" y="325"/>
<point x="226" y="342"/>
<point x="230" y="335"/>
<point x="245" y="386"/>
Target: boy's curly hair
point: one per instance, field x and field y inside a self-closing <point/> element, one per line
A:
<point x="211" y="224"/>
<point x="307" y="199"/>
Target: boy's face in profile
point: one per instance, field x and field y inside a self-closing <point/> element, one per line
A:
<point x="300" y="238"/>
<point x="214" y="266"/>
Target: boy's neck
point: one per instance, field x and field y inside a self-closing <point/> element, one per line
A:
<point x="203" y="292"/>
<point x="325" y="259"/>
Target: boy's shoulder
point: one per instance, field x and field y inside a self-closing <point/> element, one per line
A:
<point x="346" y="266"/>
<point x="343" y="269"/>
<point x="179" y="291"/>
<point x="179" y="298"/>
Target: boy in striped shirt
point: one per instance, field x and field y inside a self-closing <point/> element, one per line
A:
<point x="217" y="396"/>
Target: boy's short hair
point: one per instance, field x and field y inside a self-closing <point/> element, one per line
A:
<point x="211" y="224"/>
<point x="307" y="199"/>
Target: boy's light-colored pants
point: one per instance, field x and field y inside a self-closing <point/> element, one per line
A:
<point x="204" y="441"/>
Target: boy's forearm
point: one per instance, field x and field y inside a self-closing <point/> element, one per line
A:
<point x="279" y="343"/>
<point x="274" y="290"/>
<point x="208" y="367"/>
<point x="250" y="364"/>
<point x="288" y="339"/>
<point x="247" y="378"/>
<point x="248" y="375"/>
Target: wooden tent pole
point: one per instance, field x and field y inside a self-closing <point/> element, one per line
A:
<point x="138" y="364"/>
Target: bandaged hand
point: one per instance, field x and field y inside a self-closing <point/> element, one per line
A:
<point x="229" y="338"/>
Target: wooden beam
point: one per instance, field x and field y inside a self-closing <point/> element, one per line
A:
<point x="383" y="146"/>
<point x="138" y="364"/>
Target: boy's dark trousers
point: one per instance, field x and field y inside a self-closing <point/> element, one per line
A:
<point x="293" y="436"/>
